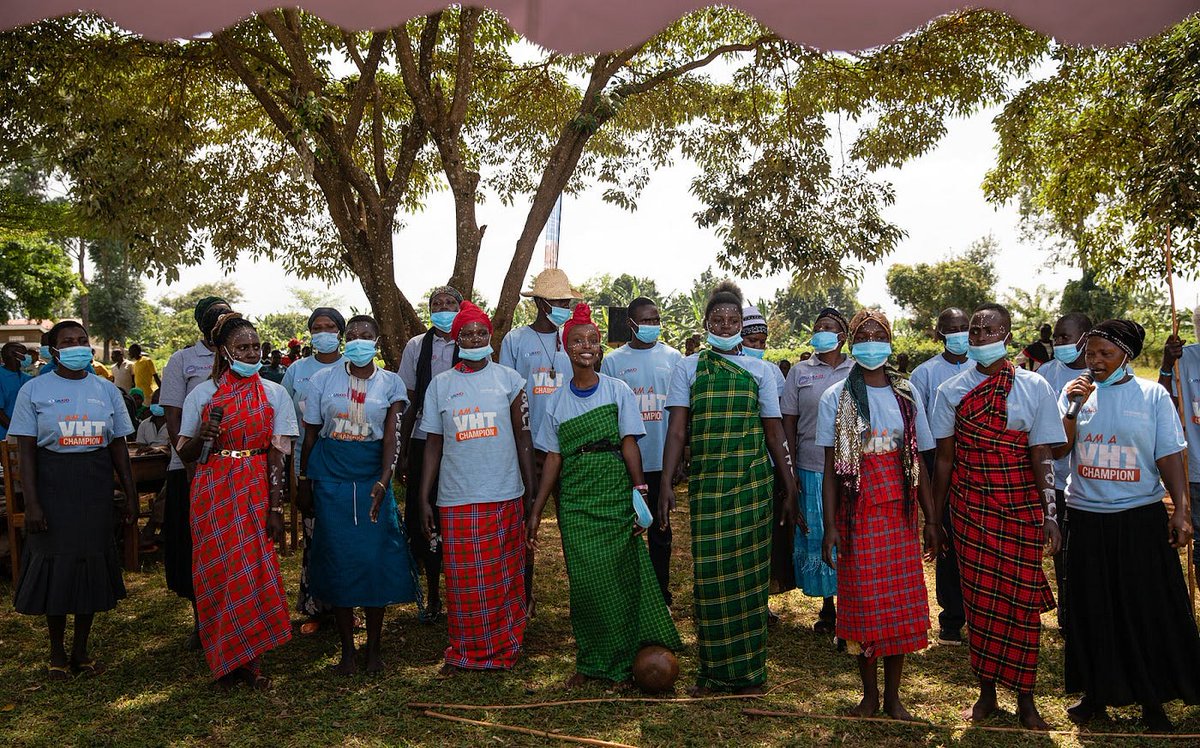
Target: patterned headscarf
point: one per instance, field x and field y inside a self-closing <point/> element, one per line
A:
<point x="449" y="291"/>
<point x="834" y="315"/>
<point x="862" y="316"/>
<point x="468" y="312"/>
<point x="1125" y="334"/>
<point x="753" y="321"/>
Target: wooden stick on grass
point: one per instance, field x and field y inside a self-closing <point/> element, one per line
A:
<point x="526" y="730"/>
<point x="1191" y="569"/>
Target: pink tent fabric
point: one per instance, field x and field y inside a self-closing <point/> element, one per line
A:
<point x="580" y="26"/>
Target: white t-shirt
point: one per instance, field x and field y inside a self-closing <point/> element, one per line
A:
<point x="802" y="391"/>
<point x="151" y="436"/>
<point x="679" y="393"/>
<point x="565" y="405"/>
<point x="1032" y="406"/>
<point x="929" y="375"/>
<point x="887" y="422"/>
<point x="327" y="403"/>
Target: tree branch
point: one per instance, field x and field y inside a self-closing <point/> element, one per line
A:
<point x="675" y="72"/>
<point x="366" y="83"/>
<point x="463" y="71"/>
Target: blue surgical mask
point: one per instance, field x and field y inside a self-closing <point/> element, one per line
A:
<point x="986" y="355"/>
<point x="956" y="342"/>
<point x="475" y="354"/>
<point x="824" y="341"/>
<point x="558" y="315"/>
<point x="871" y="354"/>
<point x="443" y="320"/>
<point x="157" y="410"/>
<point x="1117" y="375"/>
<point x="241" y="368"/>
<point x="753" y="352"/>
<point x="648" y="333"/>
<point x="75" y="358"/>
<point x="360" y="352"/>
<point x="1067" y="354"/>
<point x="44" y="352"/>
<point x="26" y="361"/>
<point x="723" y="343"/>
<point x="325" y="342"/>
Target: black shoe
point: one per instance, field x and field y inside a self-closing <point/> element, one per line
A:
<point x="1155" y="719"/>
<point x="950" y="637"/>
<point x="1085" y="710"/>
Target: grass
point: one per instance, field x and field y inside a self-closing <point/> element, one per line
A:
<point x="156" y="693"/>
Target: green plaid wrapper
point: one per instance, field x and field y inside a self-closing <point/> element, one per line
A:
<point x="730" y="493"/>
<point x="616" y="604"/>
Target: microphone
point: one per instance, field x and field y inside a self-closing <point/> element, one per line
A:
<point x="214" y="417"/>
<point x="1077" y="402"/>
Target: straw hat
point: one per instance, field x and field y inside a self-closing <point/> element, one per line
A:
<point x="552" y="283"/>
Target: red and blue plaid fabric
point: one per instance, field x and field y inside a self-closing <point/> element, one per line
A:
<point x="239" y="593"/>
<point x="483" y="557"/>
<point x="997" y="517"/>
<point x="882" y="602"/>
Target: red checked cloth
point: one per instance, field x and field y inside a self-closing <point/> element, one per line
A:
<point x="997" y="517"/>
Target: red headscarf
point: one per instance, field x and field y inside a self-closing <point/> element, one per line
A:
<point x="581" y="316"/>
<point x="468" y="312"/>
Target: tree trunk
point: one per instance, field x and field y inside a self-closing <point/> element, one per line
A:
<point x="397" y="319"/>
<point x="83" y="299"/>
<point x="469" y="236"/>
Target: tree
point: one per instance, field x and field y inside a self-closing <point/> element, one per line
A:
<point x="1098" y="301"/>
<point x="35" y="274"/>
<point x="284" y="136"/>
<point x="114" y="295"/>
<point x="795" y="308"/>
<point x="1103" y="157"/>
<point x="170" y="325"/>
<point x="924" y="290"/>
<point x="1029" y="311"/>
<point x="277" y="328"/>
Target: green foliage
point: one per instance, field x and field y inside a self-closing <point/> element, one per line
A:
<point x="170" y="325"/>
<point x="791" y="313"/>
<point x="35" y="274"/>
<point x="186" y="302"/>
<point x="1104" y="156"/>
<point x="1098" y="301"/>
<point x="920" y="347"/>
<point x="279" y="327"/>
<point x="114" y="293"/>
<point x="966" y="281"/>
<point x="1030" y="310"/>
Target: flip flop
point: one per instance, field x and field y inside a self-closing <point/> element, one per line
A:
<point x="89" y="668"/>
<point x="58" y="672"/>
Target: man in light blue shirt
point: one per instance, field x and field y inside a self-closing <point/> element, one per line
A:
<point x="645" y="364"/>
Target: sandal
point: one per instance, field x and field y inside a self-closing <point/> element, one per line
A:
<point x="90" y="668"/>
<point x="430" y="615"/>
<point x="58" y="672"/>
<point x="825" y="626"/>
<point x="311" y="626"/>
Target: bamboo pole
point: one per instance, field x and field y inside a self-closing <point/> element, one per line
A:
<point x="526" y="731"/>
<point x="1183" y="407"/>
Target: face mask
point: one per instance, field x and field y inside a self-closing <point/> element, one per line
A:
<point x="44" y="351"/>
<point x="648" y="333"/>
<point x="360" y="352"/>
<point x="753" y="352"/>
<point x="26" y="361"/>
<point x="1117" y="375"/>
<point x="986" y="355"/>
<point x="724" y="344"/>
<point x="241" y="368"/>
<point x="558" y="315"/>
<point x="872" y="354"/>
<point x="157" y="410"/>
<point x="1066" y="353"/>
<point x="325" y="342"/>
<point x="824" y="341"/>
<point x="75" y="358"/>
<point x="443" y="320"/>
<point x="475" y="354"/>
<point x="956" y="342"/>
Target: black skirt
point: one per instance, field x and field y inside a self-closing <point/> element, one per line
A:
<point x="177" y="535"/>
<point x="1132" y="636"/>
<point x="72" y="567"/>
<point x="412" y="507"/>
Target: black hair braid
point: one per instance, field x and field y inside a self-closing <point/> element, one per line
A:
<point x="223" y="328"/>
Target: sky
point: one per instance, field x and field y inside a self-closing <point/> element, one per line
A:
<point x="939" y="203"/>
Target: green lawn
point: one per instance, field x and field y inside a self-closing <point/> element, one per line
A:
<point x="156" y="693"/>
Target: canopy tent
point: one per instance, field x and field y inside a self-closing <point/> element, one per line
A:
<point x="590" y="27"/>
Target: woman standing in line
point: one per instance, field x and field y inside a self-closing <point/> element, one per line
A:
<point x="590" y="435"/>
<point x="873" y="429"/>
<point x="70" y="428"/>
<point x="359" y="556"/>
<point x="237" y="505"/>
<point x="477" y="441"/>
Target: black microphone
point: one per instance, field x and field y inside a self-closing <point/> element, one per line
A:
<point x="1077" y="402"/>
<point x="214" y="417"/>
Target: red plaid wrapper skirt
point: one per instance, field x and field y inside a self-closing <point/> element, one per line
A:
<point x="883" y="606"/>
<point x="483" y="558"/>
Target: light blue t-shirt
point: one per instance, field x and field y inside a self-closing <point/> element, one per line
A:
<point x="929" y="375"/>
<point x="887" y="423"/>
<point x="284" y="415"/>
<point x="299" y="374"/>
<point x="70" y="415"/>
<point x="648" y="374"/>
<point x="565" y="405"/>
<point x="1032" y="406"/>
<point x="185" y="370"/>
<point x="1120" y="434"/>
<point x="532" y="355"/>
<point x="802" y="391"/>
<point x="10" y="385"/>
<point x="679" y="392"/>
<point x="1059" y="375"/>
<point x="1189" y="377"/>
<point x="327" y="403"/>
<point x="471" y="412"/>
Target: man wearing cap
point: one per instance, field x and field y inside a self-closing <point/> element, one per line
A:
<point x="184" y="370"/>
<point x="802" y="391"/>
<point x="536" y="353"/>
<point x="425" y="356"/>
<point x="326" y="326"/>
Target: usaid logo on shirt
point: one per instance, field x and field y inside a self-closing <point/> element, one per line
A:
<point x="630" y="370"/>
<point x="58" y="400"/>
<point x="457" y="395"/>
